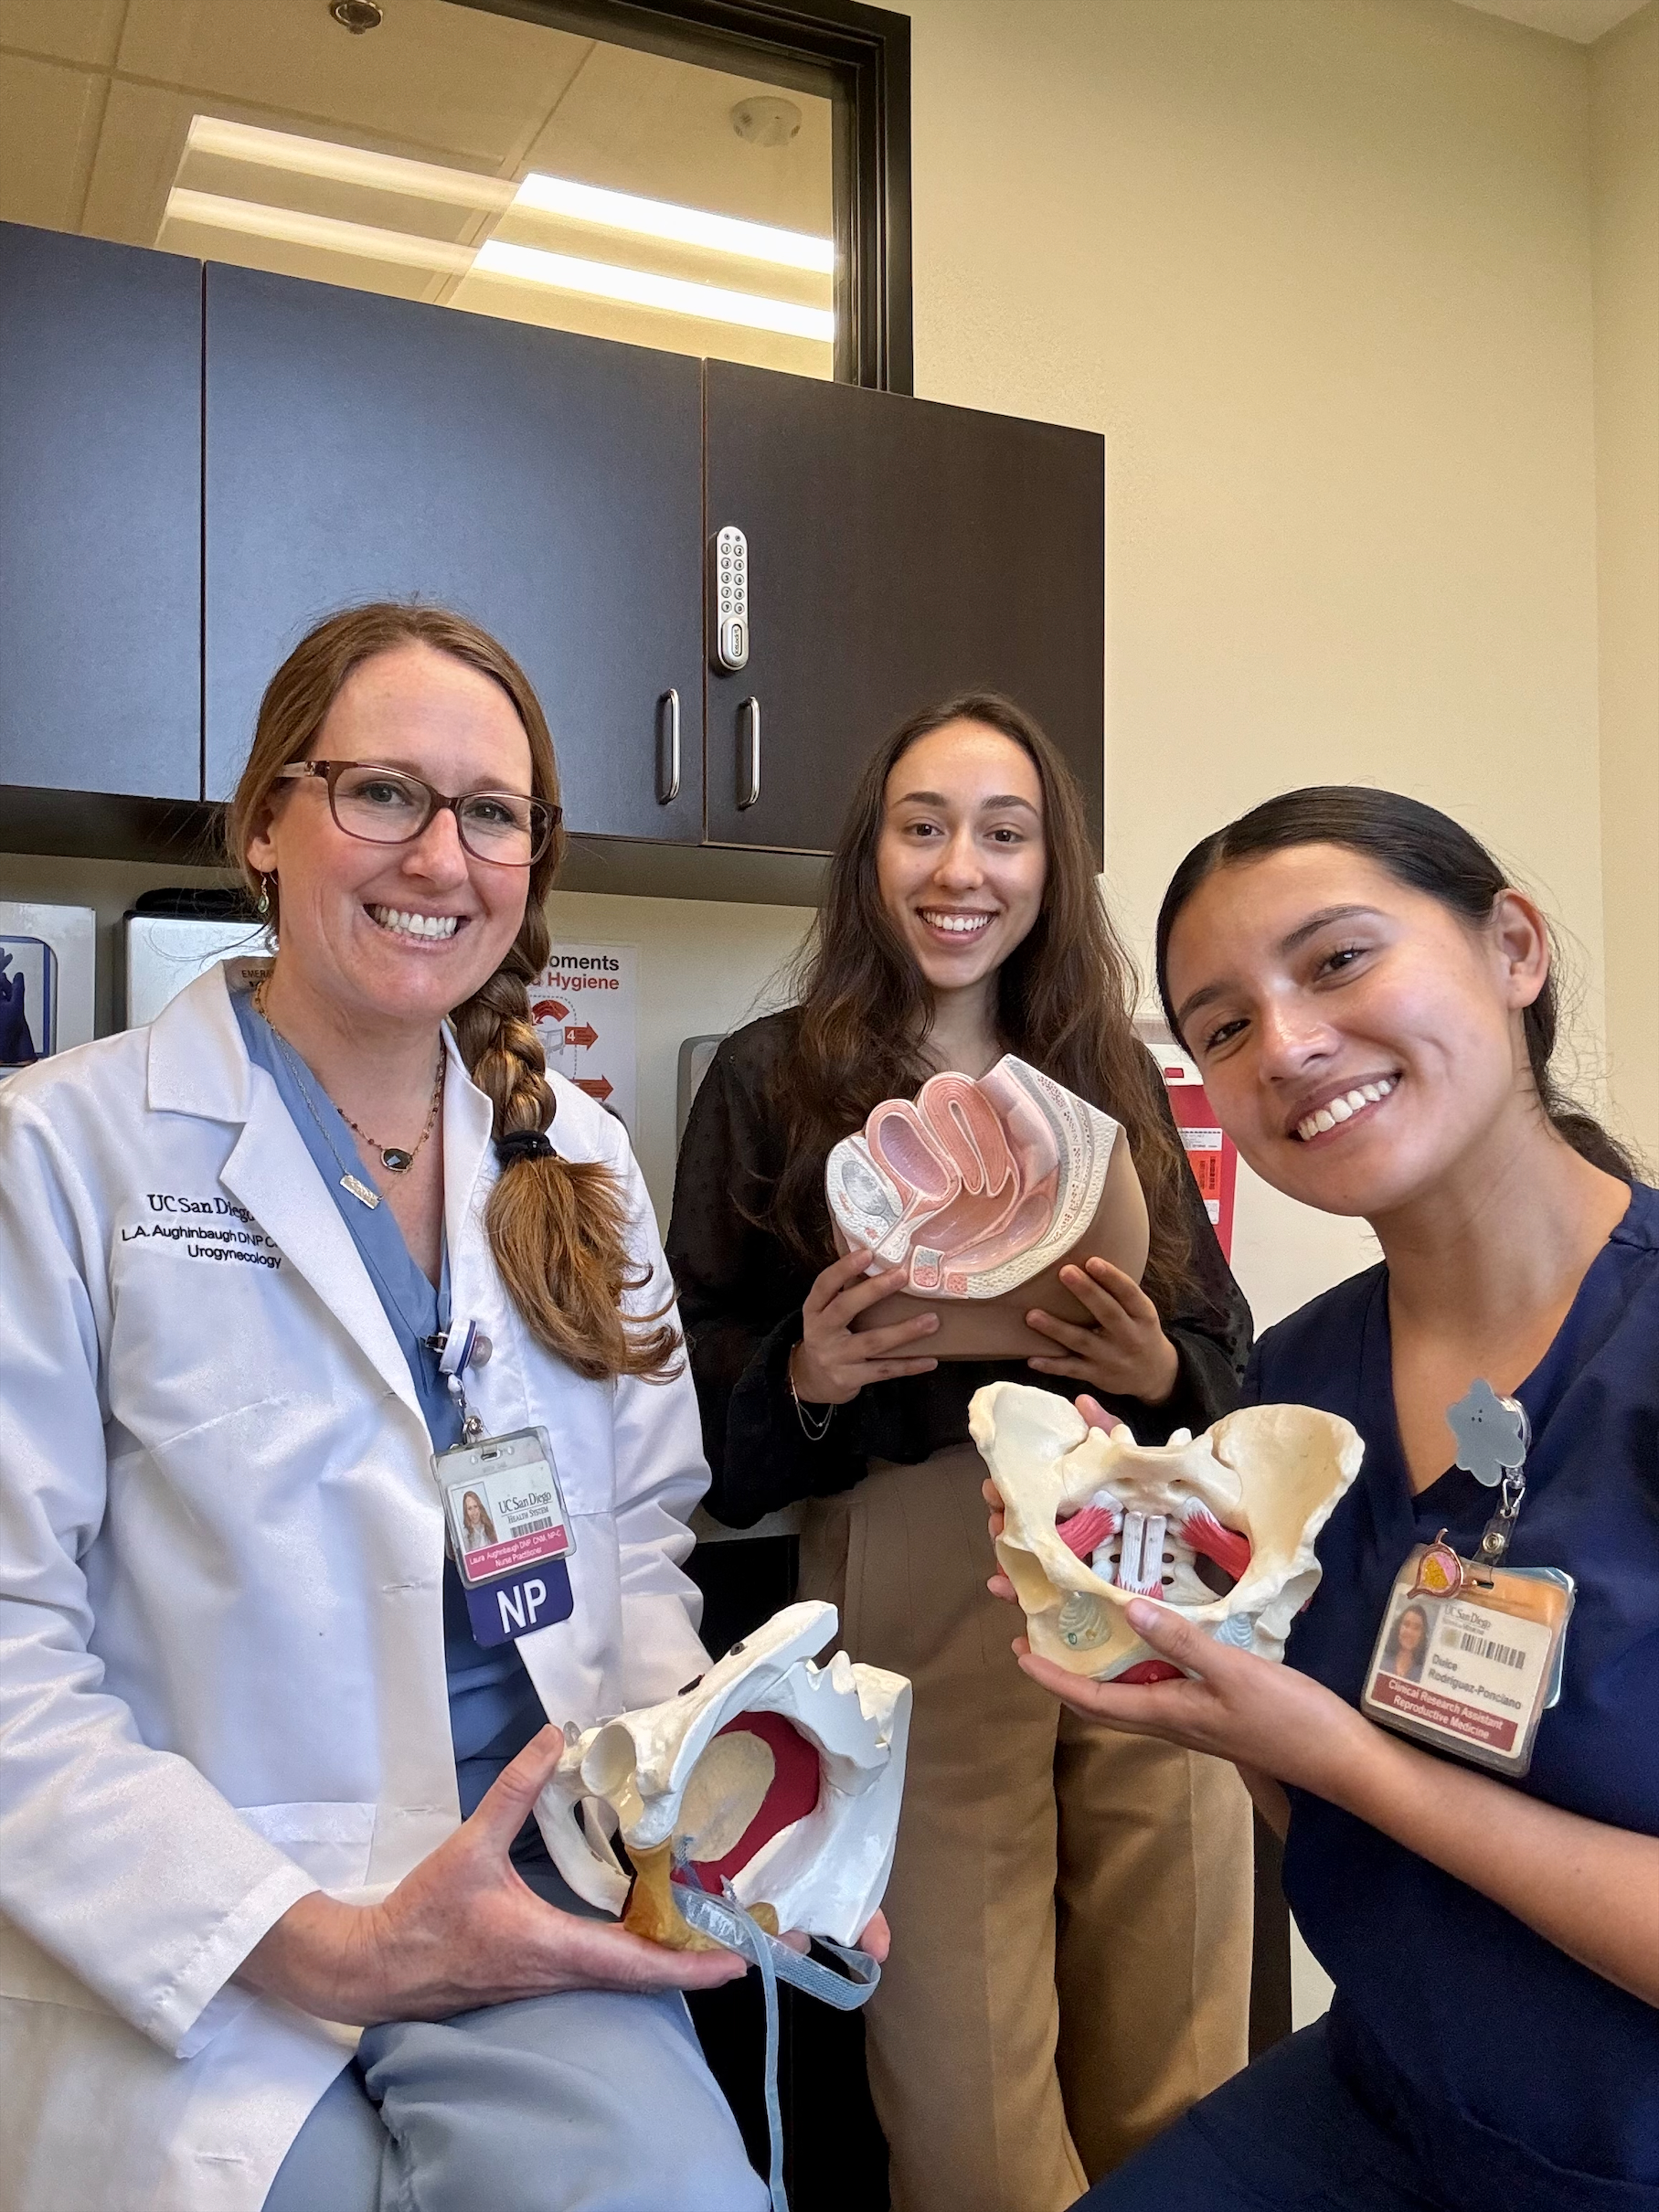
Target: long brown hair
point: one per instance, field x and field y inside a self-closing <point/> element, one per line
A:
<point x="1426" y="851"/>
<point x="1066" y="998"/>
<point x="556" y="1228"/>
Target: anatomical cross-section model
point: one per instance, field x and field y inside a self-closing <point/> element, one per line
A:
<point x="1220" y="1527"/>
<point x="981" y="1191"/>
<point x="763" y="1797"/>
<point x="779" y="1777"/>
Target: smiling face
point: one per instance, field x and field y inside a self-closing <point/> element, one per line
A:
<point x="961" y="861"/>
<point x="399" y="931"/>
<point x="1357" y="1039"/>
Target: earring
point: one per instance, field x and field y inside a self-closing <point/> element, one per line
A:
<point x="263" y="907"/>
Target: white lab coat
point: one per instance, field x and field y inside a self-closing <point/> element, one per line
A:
<point x="221" y="1674"/>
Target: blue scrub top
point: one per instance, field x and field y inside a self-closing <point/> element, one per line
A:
<point x="493" y="1708"/>
<point x="1514" y="2069"/>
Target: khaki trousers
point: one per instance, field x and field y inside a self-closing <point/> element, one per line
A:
<point x="1071" y="1910"/>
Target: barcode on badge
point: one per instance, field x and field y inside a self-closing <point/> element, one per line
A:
<point x="1486" y="1647"/>
<point x="533" y="1529"/>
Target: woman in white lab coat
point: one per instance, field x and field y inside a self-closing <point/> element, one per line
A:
<point x="236" y="1670"/>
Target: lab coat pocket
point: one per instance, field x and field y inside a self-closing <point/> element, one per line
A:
<point x="330" y="1839"/>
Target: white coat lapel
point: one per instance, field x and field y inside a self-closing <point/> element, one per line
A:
<point x="275" y="1177"/>
<point x="468" y="1118"/>
<point x="199" y="1065"/>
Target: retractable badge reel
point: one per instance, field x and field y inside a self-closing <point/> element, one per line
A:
<point x="1469" y="1655"/>
<point x="509" y="1533"/>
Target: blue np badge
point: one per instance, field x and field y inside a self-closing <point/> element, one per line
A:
<point x="509" y="1533"/>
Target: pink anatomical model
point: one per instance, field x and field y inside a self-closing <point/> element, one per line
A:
<point x="979" y="1191"/>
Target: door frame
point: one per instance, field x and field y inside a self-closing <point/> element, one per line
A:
<point x="857" y="56"/>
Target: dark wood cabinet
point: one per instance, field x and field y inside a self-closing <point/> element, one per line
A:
<point x="99" y="516"/>
<point x="198" y="464"/>
<point x="550" y="486"/>
<point x="898" y="552"/>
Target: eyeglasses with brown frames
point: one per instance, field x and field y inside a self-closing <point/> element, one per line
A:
<point x="389" y="806"/>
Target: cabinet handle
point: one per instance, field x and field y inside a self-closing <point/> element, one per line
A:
<point x="668" y="748"/>
<point x="748" y="752"/>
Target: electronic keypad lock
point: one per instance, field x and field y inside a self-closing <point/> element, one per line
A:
<point x="728" y="597"/>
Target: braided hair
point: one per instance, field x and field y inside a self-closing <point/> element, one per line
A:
<point x="557" y="1228"/>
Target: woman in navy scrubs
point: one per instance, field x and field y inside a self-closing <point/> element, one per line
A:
<point x="1371" y="1006"/>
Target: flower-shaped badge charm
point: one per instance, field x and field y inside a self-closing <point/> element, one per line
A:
<point x="1492" y="1433"/>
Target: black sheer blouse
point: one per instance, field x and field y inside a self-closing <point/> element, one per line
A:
<point x="741" y="1292"/>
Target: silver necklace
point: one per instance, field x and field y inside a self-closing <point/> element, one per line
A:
<point x="397" y="1159"/>
<point x="363" y="1193"/>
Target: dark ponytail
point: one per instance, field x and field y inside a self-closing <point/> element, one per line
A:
<point x="1427" y="852"/>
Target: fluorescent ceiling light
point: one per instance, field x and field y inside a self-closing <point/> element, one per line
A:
<point x="685" y="226"/>
<point x="527" y="264"/>
<point x="346" y="165"/>
<point x="254" y="219"/>
<point x="559" y="196"/>
<point x="640" y="288"/>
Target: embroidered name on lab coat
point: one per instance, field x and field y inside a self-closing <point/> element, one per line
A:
<point x="215" y="1229"/>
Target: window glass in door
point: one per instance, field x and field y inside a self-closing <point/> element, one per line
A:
<point x="437" y="151"/>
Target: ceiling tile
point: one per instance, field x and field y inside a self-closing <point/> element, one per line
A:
<point x="434" y="79"/>
<point x="49" y="123"/>
<point x="640" y="122"/>
<point x="86" y="30"/>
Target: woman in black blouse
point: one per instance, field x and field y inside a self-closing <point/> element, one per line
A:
<point x="1070" y="1909"/>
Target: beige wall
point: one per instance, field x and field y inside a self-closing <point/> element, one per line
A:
<point x="1320" y="270"/>
<point x="1624" y="204"/>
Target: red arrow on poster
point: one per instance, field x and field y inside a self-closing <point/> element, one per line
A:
<point x="579" y="1033"/>
<point x="548" y="1010"/>
<point x="596" y="1086"/>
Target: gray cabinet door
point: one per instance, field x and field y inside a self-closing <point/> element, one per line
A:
<point x="550" y="486"/>
<point x="100" y="441"/>
<point x="898" y="552"/>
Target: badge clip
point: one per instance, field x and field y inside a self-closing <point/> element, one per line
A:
<point x="1494" y="1435"/>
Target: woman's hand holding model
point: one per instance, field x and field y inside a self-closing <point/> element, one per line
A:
<point x="1127" y="1353"/>
<point x="460" y="1930"/>
<point x="1271" y="1720"/>
<point x="831" y="1363"/>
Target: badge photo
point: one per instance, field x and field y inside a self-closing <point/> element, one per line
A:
<point x="504" y="1506"/>
<point x="1470" y="1668"/>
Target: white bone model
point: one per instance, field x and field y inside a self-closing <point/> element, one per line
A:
<point x="1093" y="1520"/>
<point x="779" y="1776"/>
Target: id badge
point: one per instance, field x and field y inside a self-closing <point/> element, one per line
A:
<point x="509" y="1533"/>
<point x="1468" y="1658"/>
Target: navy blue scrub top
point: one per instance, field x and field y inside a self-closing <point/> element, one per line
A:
<point x="494" y="1706"/>
<point x="1527" y="2081"/>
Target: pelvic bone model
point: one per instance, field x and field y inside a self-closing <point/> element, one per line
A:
<point x="776" y="1775"/>
<point x="981" y="1191"/>
<point x="1094" y="1520"/>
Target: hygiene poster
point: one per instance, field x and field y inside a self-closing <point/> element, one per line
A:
<point x="584" y="1004"/>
